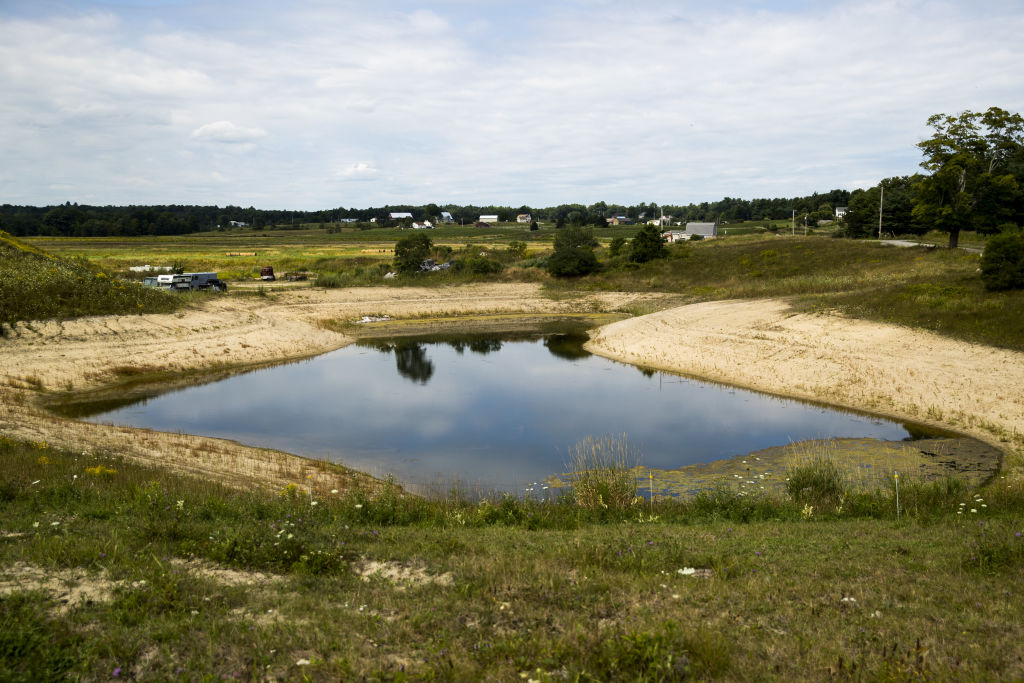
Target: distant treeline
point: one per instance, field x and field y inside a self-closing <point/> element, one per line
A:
<point x="80" y="220"/>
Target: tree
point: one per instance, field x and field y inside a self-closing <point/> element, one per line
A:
<point x="647" y="245"/>
<point x="574" y="252"/>
<point x="411" y="251"/>
<point x="861" y="218"/>
<point x="572" y="262"/>
<point x="972" y="184"/>
<point x="574" y="236"/>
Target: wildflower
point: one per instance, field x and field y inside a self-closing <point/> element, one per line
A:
<point x="181" y="505"/>
<point x="334" y="490"/>
<point x="35" y="525"/>
<point x="973" y="510"/>
<point x="116" y="672"/>
<point x="686" y="571"/>
<point x="302" y="662"/>
<point x="358" y="506"/>
<point x="35" y="482"/>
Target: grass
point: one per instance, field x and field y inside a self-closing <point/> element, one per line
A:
<point x="35" y="285"/>
<point x="171" y="577"/>
<point x="937" y="289"/>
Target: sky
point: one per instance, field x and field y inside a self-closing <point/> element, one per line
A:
<point x="317" y="104"/>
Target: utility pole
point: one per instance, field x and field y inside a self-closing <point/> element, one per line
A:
<point x="792" y="223"/>
<point x="881" y="198"/>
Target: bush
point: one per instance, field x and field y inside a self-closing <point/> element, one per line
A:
<point x="1002" y="263"/>
<point x="573" y="262"/>
<point x="481" y="265"/>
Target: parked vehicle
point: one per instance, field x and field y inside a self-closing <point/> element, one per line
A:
<point x="178" y="282"/>
<point x="267" y="273"/>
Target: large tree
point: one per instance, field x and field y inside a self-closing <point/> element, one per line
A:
<point x="647" y="245"/>
<point x="411" y="251"/>
<point x="971" y="157"/>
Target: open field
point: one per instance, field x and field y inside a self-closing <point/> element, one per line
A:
<point x="110" y="570"/>
<point x="129" y="553"/>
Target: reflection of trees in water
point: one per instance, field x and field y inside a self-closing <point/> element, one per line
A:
<point x="412" y="362"/>
<point x="567" y="346"/>
<point x="485" y="346"/>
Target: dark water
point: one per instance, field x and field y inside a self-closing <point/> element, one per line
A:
<point x="489" y="412"/>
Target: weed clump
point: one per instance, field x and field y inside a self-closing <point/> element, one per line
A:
<point x="601" y="472"/>
<point x="817" y="483"/>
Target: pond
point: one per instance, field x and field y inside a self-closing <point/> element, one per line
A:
<point x="492" y="413"/>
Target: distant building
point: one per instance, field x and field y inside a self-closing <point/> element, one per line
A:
<point x="840" y="211"/>
<point x="446" y="217"/>
<point x="398" y="215"/>
<point x="425" y="225"/>
<point x="489" y="218"/>
<point x="675" y="236"/>
<point x="238" y="224"/>
<point x="620" y="220"/>
<point x="524" y="218"/>
<point x="663" y="221"/>
<point x="702" y="229"/>
<point x="348" y="220"/>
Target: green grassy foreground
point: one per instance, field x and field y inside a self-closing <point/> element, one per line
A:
<point x="112" y="571"/>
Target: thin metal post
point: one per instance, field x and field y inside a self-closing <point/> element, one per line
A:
<point x="881" y="198"/>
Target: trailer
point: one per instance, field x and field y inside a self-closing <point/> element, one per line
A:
<point x="179" y="282"/>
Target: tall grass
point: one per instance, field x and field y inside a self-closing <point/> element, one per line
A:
<point x="602" y="472"/>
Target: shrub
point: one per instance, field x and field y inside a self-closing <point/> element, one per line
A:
<point x="602" y="472"/>
<point x="572" y="262"/>
<point x="1002" y="263"/>
<point x="481" y="265"/>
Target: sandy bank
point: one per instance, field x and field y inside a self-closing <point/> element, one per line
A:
<point x="757" y="344"/>
<point x="224" y="333"/>
<point x="765" y="345"/>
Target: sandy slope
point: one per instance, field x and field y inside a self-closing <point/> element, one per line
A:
<point x="887" y="369"/>
<point x="230" y="332"/>
<point x="758" y="344"/>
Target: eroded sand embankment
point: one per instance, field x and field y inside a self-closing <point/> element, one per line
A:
<point x="891" y="370"/>
<point x="223" y="334"/>
<point x="758" y="344"/>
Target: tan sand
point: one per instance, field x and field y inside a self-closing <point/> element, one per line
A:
<point x="887" y="369"/>
<point x="224" y="334"/>
<point x="757" y="344"/>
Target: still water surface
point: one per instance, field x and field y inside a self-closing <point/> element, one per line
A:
<point x="494" y="413"/>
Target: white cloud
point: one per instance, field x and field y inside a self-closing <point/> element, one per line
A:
<point x="228" y="133"/>
<point x="500" y="102"/>
<point x="359" y="171"/>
